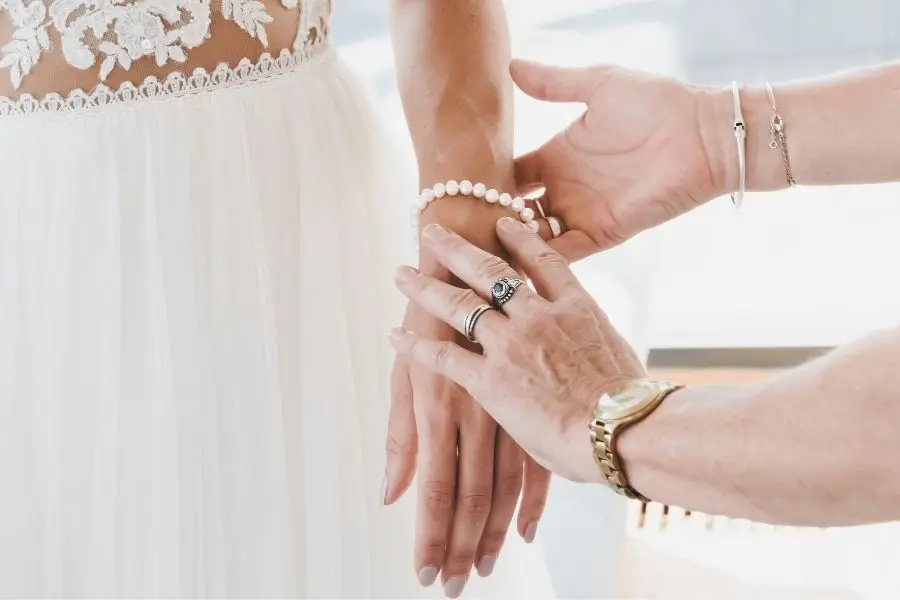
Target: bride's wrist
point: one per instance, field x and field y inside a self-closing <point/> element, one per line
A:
<point x="472" y="218"/>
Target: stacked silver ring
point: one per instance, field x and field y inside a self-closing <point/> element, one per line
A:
<point x="472" y="318"/>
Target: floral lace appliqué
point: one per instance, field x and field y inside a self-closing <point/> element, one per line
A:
<point x="175" y="85"/>
<point x="118" y="32"/>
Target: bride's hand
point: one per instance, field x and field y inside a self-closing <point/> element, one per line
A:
<point x="470" y="471"/>
<point x="647" y="149"/>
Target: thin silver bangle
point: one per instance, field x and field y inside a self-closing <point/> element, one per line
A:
<point x="740" y="138"/>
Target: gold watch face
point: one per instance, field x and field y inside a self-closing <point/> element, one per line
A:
<point x="628" y="399"/>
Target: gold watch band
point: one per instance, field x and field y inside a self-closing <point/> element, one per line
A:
<point x="609" y="464"/>
<point x="603" y="437"/>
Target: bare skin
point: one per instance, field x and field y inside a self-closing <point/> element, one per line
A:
<point x="452" y="61"/>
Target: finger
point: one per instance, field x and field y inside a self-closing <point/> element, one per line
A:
<point x="529" y="172"/>
<point x="402" y="439"/>
<point x="474" y="491"/>
<point x="436" y="487"/>
<point x="545" y="232"/>
<point x="477" y="268"/>
<point x="449" y="303"/>
<point x="445" y="358"/>
<point x="508" y="459"/>
<point x="576" y="245"/>
<point x="545" y="266"/>
<point x="556" y="84"/>
<point x="535" y="489"/>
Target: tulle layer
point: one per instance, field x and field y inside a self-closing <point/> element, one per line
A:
<point x="194" y="300"/>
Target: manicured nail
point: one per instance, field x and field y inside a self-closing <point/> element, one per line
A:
<point x="397" y="335"/>
<point x="530" y="532"/>
<point x="454" y="586"/>
<point x="486" y="565"/>
<point x="405" y="271"/>
<point x="427" y="575"/>
<point x="510" y="224"/>
<point x="434" y="232"/>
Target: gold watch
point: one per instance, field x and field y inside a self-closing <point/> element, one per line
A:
<point x="613" y="414"/>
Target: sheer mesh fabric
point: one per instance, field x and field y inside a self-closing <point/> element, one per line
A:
<point x="63" y="46"/>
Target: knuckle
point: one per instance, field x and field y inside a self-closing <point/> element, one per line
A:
<point x="509" y="484"/>
<point x="459" y="562"/>
<point x="431" y="549"/>
<point x="442" y="353"/>
<point x="438" y="498"/>
<point x="547" y="257"/>
<point x="463" y="300"/>
<point x="397" y="446"/>
<point x="611" y="231"/>
<point x="491" y="268"/>
<point x="493" y="540"/>
<point x="534" y="304"/>
<point x="533" y="504"/>
<point x="475" y="503"/>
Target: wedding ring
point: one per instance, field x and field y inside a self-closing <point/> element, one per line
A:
<point x="555" y="227"/>
<point x="503" y="290"/>
<point x="471" y="318"/>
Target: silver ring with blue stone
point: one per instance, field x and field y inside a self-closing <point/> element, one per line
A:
<point x="503" y="290"/>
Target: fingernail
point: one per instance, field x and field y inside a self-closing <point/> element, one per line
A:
<point x="397" y="334"/>
<point x="427" y="575"/>
<point x="510" y="224"/>
<point x="384" y="490"/>
<point x="434" y="232"/>
<point x="486" y="565"/>
<point x="530" y="532"/>
<point x="405" y="271"/>
<point x="454" y="586"/>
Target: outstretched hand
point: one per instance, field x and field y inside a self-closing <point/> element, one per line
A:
<point x="470" y="472"/>
<point x="645" y="151"/>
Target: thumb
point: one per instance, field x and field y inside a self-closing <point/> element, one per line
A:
<point x="556" y="84"/>
<point x="575" y="245"/>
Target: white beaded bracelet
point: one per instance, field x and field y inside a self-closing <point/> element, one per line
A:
<point x="479" y="190"/>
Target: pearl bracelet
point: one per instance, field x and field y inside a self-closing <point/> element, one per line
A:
<point x="479" y="190"/>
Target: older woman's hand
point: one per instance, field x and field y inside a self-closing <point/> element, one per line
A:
<point x="548" y="357"/>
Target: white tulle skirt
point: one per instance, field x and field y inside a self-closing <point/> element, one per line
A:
<point x="195" y="296"/>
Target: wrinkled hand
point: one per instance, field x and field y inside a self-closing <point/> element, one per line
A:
<point x="639" y="155"/>
<point x="548" y="357"/>
<point x="470" y="473"/>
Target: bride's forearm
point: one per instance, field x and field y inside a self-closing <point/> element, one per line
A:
<point x="452" y="60"/>
<point x="839" y="130"/>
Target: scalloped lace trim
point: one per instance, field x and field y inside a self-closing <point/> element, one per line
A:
<point x="175" y="85"/>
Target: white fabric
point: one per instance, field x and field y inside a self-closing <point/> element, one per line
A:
<point x="194" y="301"/>
<point x="116" y="33"/>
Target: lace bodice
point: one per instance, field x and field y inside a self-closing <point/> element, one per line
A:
<point x="112" y="42"/>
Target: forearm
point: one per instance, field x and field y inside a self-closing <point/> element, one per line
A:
<point x="816" y="446"/>
<point x="839" y="130"/>
<point x="452" y="60"/>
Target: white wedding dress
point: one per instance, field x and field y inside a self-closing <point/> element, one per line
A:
<point x="195" y="291"/>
